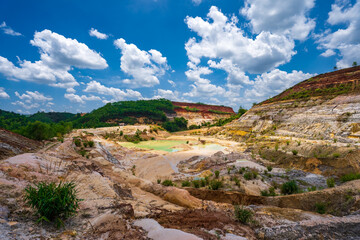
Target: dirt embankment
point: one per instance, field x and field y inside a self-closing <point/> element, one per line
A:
<point x="12" y="144"/>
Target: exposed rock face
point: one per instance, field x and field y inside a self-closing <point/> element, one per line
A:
<point x="12" y="144"/>
<point x="199" y="113"/>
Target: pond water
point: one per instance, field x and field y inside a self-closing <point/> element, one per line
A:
<point x="167" y="145"/>
<point x="162" y="145"/>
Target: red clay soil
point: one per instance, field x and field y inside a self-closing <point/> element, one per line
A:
<point x="12" y="144"/>
<point x="202" y="107"/>
<point x="323" y="81"/>
<point x="199" y="222"/>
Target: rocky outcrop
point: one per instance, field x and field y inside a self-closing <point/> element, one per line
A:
<point x="197" y="113"/>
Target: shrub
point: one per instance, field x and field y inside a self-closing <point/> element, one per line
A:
<point x="185" y="183"/>
<point x="330" y="182"/>
<point x="290" y="187"/>
<point x="295" y="152"/>
<point x="350" y="177"/>
<point x="196" y="183"/>
<point x="91" y="143"/>
<point x="320" y="208"/>
<point x="276" y="147"/>
<point x="270" y="192"/>
<point x="122" y="133"/>
<point x="77" y="142"/>
<point x="158" y="181"/>
<point x="85" y="144"/>
<point x="217" y="173"/>
<point x="53" y="203"/>
<point x="336" y="155"/>
<point x="242" y="214"/>
<point x="237" y="182"/>
<point x="215" y="185"/>
<point x="167" y="182"/>
<point x="269" y="168"/>
<point x="248" y="176"/>
<point x="82" y="152"/>
<point x="288" y="143"/>
<point x="228" y="170"/>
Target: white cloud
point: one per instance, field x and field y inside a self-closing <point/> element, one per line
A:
<point x="115" y="93"/>
<point x="144" y="67"/>
<point x="30" y="100"/>
<point x="172" y="83"/>
<point x="81" y="99"/>
<point x="95" y="33"/>
<point x="274" y="82"/>
<point x="57" y="56"/>
<point x="328" y="53"/>
<point x="29" y="97"/>
<point x="222" y="39"/>
<point x="8" y="30"/>
<point x="196" y="2"/>
<point x="168" y="94"/>
<point x="3" y="94"/>
<point x="280" y="17"/>
<point x="347" y="39"/>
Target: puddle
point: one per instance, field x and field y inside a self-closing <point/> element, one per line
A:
<point x="161" y="145"/>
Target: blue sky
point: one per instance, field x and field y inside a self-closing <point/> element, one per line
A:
<point x="76" y="56"/>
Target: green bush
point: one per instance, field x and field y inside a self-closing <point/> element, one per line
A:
<point x="242" y="214"/>
<point x="336" y="155"/>
<point x="217" y="173"/>
<point x="295" y="152"/>
<point x="185" y="183"/>
<point x="350" y="177"/>
<point x="85" y="144"/>
<point x="270" y="192"/>
<point x="77" y="142"/>
<point x="330" y="182"/>
<point x="215" y="185"/>
<point x="178" y="124"/>
<point x="320" y="208"/>
<point x="269" y="168"/>
<point x="196" y="183"/>
<point x="248" y="176"/>
<point x="91" y="143"/>
<point x="53" y="203"/>
<point x="290" y="187"/>
<point x="167" y="182"/>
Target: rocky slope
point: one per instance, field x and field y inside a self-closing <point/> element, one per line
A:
<point x="197" y="113"/>
<point x="318" y="118"/>
<point x="12" y="144"/>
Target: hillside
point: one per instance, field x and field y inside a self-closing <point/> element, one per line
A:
<point x="198" y="113"/>
<point x="318" y="118"/>
<point x="12" y="144"/>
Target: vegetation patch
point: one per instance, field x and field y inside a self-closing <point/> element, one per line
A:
<point x="53" y="202"/>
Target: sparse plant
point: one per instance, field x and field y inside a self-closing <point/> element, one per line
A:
<point x="269" y="168"/>
<point x="77" y="142"/>
<point x="85" y="144"/>
<point x="320" y="208"/>
<point x="53" y="202"/>
<point x="287" y="142"/>
<point x="228" y="170"/>
<point x="185" y="183"/>
<point x="121" y="133"/>
<point x="167" y="183"/>
<point x="158" y="181"/>
<point x="276" y="147"/>
<point x="217" y="173"/>
<point x="350" y="177"/>
<point x="215" y="184"/>
<point x="248" y="176"/>
<point x="91" y="143"/>
<point x="330" y="182"/>
<point x="196" y="183"/>
<point x="242" y="214"/>
<point x="294" y="152"/>
<point x="290" y="187"/>
<point x="336" y="155"/>
<point x="335" y="140"/>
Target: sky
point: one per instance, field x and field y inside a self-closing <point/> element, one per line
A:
<point x="76" y="56"/>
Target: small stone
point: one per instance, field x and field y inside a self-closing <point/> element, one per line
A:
<point x="11" y="224"/>
<point x="31" y="229"/>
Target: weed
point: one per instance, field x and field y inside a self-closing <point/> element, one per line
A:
<point x="320" y="208"/>
<point x="336" y="155"/>
<point x="215" y="185"/>
<point x="77" y="142"/>
<point x="91" y="143"/>
<point x="167" y="183"/>
<point x="330" y="182"/>
<point x="185" y="183"/>
<point x="290" y="187"/>
<point x="217" y="173"/>
<point x="158" y="181"/>
<point x="242" y="214"/>
<point x="350" y="177"/>
<point x="295" y="152"/>
<point x="196" y="183"/>
<point x="269" y="168"/>
<point x="53" y="203"/>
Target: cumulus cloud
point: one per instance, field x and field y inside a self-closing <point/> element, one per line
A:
<point x="81" y="99"/>
<point x="222" y="39"/>
<point x="30" y="100"/>
<point x="346" y="39"/>
<point x="227" y="48"/>
<point x="274" y="82"/>
<point x="3" y="94"/>
<point x="8" y="30"/>
<point x="168" y="94"/>
<point x="143" y="66"/>
<point x="328" y="53"/>
<point x="280" y="17"/>
<point x="116" y="93"/>
<point x="57" y="57"/>
<point x="95" y="33"/>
